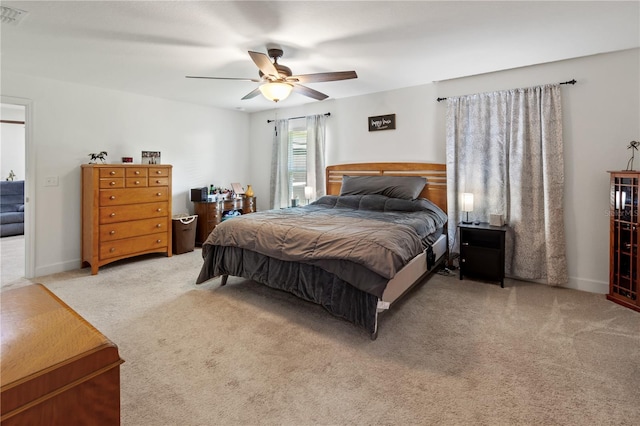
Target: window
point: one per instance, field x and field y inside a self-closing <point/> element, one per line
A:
<point x="297" y="163"/>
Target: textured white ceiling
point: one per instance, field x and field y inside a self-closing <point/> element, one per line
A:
<point x="149" y="47"/>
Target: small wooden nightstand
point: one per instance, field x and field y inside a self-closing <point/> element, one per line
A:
<point x="482" y="251"/>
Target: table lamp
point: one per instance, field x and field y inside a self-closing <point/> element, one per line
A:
<point x="467" y="205"/>
<point x="308" y="192"/>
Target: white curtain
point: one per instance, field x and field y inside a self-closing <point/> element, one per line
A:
<point x="315" y="154"/>
<point x="280" y="165"/>
<point x="506" y="148"/>
<point x="315" y="159"/>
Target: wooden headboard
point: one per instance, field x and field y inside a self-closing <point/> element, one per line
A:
<point x="436" y="174"/>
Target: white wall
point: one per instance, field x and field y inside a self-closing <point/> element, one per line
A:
<point x="213" y="146"/>
<point x="12" y="148"/>
<point x="348" y="136"/>
<point x="204" y="145"/>
<point x="601" y="116"/>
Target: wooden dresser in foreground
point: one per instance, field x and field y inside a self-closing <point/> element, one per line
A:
<point x="126" y="211"/>
<point x="56" y="368"/>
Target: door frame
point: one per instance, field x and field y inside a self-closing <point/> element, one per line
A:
<point x="29" y="184"/>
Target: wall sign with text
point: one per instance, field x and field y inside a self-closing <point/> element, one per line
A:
<point x="382" y="122"/>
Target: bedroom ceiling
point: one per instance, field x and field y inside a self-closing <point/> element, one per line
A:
<point x="149" y="47"/>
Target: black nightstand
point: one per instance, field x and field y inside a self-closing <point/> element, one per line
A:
<point x="482" y="251"/>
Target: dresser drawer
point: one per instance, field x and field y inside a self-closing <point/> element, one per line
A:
<point x="113" y="197"/>
<point x="133" y="245"/>
<point x="107" y="172"/>
<point x="158" y="181"/>
<point x="112" y="183"/>
<point x="113" y="214"/>
<point x="136" y="182"/>
<point x="120" y="230"/>
<point x="136" y="172"/>
<point x="159" y="172"/>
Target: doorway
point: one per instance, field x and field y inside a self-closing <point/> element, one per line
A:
<point x="15" y="160"/>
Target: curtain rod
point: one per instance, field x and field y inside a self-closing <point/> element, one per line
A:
<point x="326" y="114"/>
<point x="574" y="81"/>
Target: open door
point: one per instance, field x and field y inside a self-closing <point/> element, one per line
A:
<point x="16" y="245"/>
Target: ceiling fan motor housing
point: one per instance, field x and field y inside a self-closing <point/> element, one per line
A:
<point x="282" y="70"/>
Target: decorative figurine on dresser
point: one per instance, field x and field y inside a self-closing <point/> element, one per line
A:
<point x="624" y="224"/>
<point x="126" y="212"/>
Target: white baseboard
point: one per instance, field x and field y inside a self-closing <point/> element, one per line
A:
<point x="591" y="286"/>
<point x="56" y="268"/>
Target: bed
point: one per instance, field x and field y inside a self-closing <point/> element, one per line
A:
<point x="379" y="231"/>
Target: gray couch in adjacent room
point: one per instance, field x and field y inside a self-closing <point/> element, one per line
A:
<point x="11" y="208"/>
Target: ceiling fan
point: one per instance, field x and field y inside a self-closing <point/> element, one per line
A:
<point x="277" y="81"/>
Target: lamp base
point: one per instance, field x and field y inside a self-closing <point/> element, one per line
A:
<point x="467" y="221"/>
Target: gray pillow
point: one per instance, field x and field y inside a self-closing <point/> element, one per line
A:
<point x="405" y="187"/>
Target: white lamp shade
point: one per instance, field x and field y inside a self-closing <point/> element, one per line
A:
<point x="467" y="202"/>
<point x="276" y="91"/>
<point x="308" y="192"/>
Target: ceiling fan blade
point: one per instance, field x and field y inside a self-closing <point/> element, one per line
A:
<point x="323" y="76"/>
<point x="307" y="91"/>
<point x="252" y="94"/>
<point x="264" y="63"/>
<point x="225" y="78"/>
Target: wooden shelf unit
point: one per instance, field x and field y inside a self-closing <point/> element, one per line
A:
<point x="623" y="248"/>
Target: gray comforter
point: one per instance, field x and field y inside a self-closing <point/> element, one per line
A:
<point x="362" y="239"/>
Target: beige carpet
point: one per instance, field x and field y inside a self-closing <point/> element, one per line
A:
<point x="11" y="258"/>
<point x="454" y="352"/>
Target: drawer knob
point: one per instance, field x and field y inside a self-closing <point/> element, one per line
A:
<point x="465" y="244"/>
<point x="159" y="172"/>
<point x="159" y="225"/>
<point x="159" y="194"/>
<point x="112" y="249"/>
<point x="158" y="241"/>
<point x="112" y="232"/>
<point x="137" y="172"/>
<point x="463" y="260"/>
<point x="113" y="197"/>
<point x="112" y="183"/>
<point x="137" y="182"/>
<point x="158" y="181"/>
<point x="112" y="214"/>
<point x="159" y="210"/>
<point x="112" y="173"/>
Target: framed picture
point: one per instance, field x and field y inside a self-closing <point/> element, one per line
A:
<point x="237" y="188"/>
<point x="382" y="122"/>
<point x="150" y="157"/>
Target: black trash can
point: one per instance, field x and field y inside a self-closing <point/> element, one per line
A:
<point x="184" y="233"/>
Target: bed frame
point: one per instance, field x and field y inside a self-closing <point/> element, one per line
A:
<point x="435" y="191"/>
<point x="430" y="259"/>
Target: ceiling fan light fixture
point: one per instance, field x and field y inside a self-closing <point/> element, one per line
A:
<point x="276" y="91"/>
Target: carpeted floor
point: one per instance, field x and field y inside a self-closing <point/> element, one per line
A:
<point x="453" y="352"/>
<point x="11" y="258"/>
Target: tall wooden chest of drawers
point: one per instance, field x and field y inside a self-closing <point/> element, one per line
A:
<point x="126" y="211"/>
